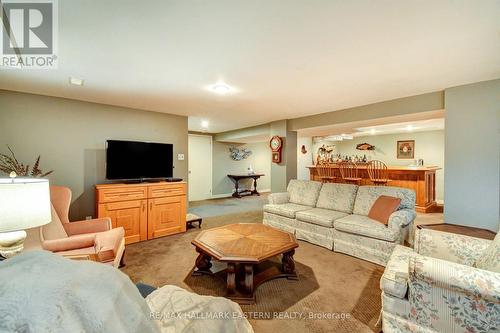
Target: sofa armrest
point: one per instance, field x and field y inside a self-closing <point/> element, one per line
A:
<point x="87" y="226"/>
<point x="107" y="244"/>
<point x="401" y="218"/>
<point x="447" y="246"/>
<point x="69" y="243"/>
<point x="278" y="198"/>
<point x="401" y="221"/>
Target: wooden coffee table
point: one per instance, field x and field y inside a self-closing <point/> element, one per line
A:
<point x="245" y="248"/>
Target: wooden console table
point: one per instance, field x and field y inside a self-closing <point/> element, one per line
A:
<point x="236" y="178"/>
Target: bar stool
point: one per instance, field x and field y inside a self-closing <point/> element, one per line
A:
<point x="349" y="173"/>
<point x="326" y="173"/>
<point x="378" y="172"/>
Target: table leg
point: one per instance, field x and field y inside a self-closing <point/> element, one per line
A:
<point x="255" y="187"/>
<point x="249" y="279"/>
<point x="288" y="264"/>
<point x="231" y="278"/>
<point x="236" y="193"/>
<point x="203" y="264"/>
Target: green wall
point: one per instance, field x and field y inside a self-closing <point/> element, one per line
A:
<point x="70" y="136"/>
<point x="472" y="188"/>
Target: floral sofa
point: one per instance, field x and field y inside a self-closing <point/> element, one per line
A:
<point x="438" y="287"/>
<point x="335" y="216"/>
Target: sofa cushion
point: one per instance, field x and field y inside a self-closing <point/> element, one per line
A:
<point x="367" y="195"/>
<point x="490" y="259"/>
<point x="394" y="280"/>
<point x="319" y="216"/>
<point x="365" y="226"/>
<point x="338" y="197"/>
<point x="286" y="210"/>
<point x="383" y="207"/>
<point x="303" y="192"/>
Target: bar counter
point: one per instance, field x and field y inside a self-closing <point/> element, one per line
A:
<point x="421" y="179"/>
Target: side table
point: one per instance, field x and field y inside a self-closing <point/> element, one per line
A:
<point x="460" y="229"/>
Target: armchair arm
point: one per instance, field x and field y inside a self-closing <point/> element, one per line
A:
<point x="278" y="198"/>
<point x="446" y="294"/>
<point x="394" y="281"/>
<point x="69" y="243"/>
<point x="447" y="246"/>
<point x="107" y="244"/>
<point x="87" y="226"/>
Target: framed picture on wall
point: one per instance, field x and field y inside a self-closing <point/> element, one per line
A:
<point x="406" y="149"/>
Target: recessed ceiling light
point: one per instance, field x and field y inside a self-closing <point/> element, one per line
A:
<point x="220" y="88"/>
<point x="373" y="131"/>
<point x="410" y="128"/>
<point x="204" y="123"/>
<point x="75" y="81"/>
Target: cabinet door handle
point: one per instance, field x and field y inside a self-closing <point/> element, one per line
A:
<point x="143" y="206"/>
<point x="150" y="206"/>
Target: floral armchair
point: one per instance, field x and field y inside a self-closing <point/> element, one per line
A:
<point x="437" y="287"/>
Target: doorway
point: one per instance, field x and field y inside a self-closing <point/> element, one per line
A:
<point x="200" y="167"/>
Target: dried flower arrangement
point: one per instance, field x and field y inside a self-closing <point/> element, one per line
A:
<point x="8" y="164"/>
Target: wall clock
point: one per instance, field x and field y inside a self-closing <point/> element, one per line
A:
<point x="276" y="144"/>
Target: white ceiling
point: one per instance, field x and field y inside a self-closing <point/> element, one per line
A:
<point x="284" y="59"/>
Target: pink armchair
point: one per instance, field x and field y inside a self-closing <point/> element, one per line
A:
<point x="83" y="237"/>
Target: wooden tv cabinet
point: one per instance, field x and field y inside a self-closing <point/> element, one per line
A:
<point x="145" y="210"/>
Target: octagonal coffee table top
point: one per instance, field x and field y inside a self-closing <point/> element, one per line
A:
<point x="244" y="242"/>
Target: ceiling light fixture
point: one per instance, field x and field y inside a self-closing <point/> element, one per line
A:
<point x="220" y="88"/>
<point x="410" y="128"/>
<point x="75" y="81"/>
<point x="204" y="123"/>
<point x="373" y="131"/>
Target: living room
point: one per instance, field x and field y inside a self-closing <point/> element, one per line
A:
<point x="234" y="166"/>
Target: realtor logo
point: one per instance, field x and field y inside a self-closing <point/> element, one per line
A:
<point x="29" y="34"/>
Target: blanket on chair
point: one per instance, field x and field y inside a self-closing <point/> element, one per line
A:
<point x="179" y="310"/>
<point x="43" y="292"/>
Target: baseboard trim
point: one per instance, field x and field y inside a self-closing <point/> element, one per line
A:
<point x="227" y="195"/>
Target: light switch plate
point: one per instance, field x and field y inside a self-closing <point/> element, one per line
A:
<point x="180" y="157"/>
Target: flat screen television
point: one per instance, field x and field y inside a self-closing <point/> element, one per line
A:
<point x="132" y="160"/>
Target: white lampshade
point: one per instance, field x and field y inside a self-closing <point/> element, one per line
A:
<point x="24" y="203"/>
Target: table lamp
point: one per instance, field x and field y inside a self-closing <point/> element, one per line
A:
<point x="24" y="204"/>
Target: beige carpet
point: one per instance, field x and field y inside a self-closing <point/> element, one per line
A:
<point x="330" y="284"/>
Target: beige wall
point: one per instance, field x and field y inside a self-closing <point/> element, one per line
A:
<point x="223" y="165"/>
<point x="429" y="146"/>
<point x="472" y="190"/>
<point x="304" y="160"/>
<point x="281" y="173"/>
<point x="70" y="136"/>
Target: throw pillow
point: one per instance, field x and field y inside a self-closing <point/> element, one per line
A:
<point x="383" y="207"/>
<point x="490" y="259"/>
